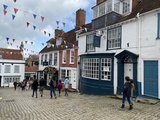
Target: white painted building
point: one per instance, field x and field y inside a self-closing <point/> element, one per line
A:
<point x="129" y="46"/>
<point x="11" y="71"/>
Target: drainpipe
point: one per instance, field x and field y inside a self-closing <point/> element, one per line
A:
<point x="139" y="86"/>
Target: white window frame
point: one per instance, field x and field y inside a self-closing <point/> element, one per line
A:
<point x="106" y="64"/>
<point x="64" y="56"/>
<point x="95" y="12"/>
<point x="7" y="69"/>
<point x="42" y="56"/>
<point x="89" y="43"/>
<point x="16" y="69"/>
<point x="50" y="58"/>
<point x="55" y="58"/>
<point x="108" y="6"/>
<point x="126" y="6"/>
<point x="0" y="68"/>
<point x="64" y="73"/>
<point x="114" y="38"/>
<point x="90" y="68"/>
<point x="102" y="9"/>
<point x="72" y="54"/>
<point x="46" y="57"/>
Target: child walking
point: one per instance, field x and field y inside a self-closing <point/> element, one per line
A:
<point x="59" y="87"/>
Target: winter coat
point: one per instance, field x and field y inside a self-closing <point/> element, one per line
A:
<point x="59" y="86"/>
<point x="66" y="83"/>
<point x="127" y="89"/>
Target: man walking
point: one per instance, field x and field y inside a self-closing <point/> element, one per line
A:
<point x="52" y="87"/>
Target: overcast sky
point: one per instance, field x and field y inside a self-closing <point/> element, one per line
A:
<point x="13" y="26"/>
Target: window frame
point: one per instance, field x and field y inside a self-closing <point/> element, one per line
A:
<point x="9" y="69"/>
<point x="50" y="58"/>
<point x="111" y="38"/>
<point x="55" y="58"/>
<point x="42" y="56"/>
<point x="17" y="70"/>
<point x="64" y="56"/>
<point x="72" y="57"/>
<point x="89" y="44"/>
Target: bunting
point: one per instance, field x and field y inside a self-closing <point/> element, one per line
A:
<point x="5" y="12"/>
<point x="15" y="10"/>
<point x="34" y="16"/>
<point x="5" y="7"/>
<point x="13" y="16"/>
<point x="27" y="23"/>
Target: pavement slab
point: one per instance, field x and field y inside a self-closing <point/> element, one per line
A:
<point x="19" y="105"/>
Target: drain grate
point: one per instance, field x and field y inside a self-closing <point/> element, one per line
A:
<point x="10" y="100"/>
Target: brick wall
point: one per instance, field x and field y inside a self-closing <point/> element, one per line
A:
<point x="80" y="17"/>
<point x="99" y="2"/>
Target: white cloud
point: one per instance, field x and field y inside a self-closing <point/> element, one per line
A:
<point x="52" y="10"/>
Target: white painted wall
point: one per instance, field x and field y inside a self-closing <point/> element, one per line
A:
<point x="20" y="63"/>
<point x="141" y="35"/>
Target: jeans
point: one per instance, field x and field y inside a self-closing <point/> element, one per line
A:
<point x="128" y="99"/>
<point x="34" y="91"/>
<point x="66" y="92"/>
<point x="52" y="89"/>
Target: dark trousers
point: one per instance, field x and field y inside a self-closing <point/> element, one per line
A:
<point x="66" y="91"/>
<point x="128" y="99"/>
<point x="34" y="91"/>
<point x="52" y="90"/>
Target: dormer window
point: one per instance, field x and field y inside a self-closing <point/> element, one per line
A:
<point x="118" y="6"/>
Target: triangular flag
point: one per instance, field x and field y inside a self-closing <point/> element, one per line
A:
<point x="8" y="43"/>
<point x="14" y="0"/>
<point x="31" y="43"/>
<point x="26" y="42"/>
<point x="17" y="46"/>
<point x="45" y="32"/>
<point x="13" y="39"/>
<point x="28" y="24"/>
<point x="5" y="12"/>
<point x="34" y="16"/>
<point x="5" y="7"/>
<point x="64" y="24"/>
<point x="94" y="31"/>
<point x="34" y="27"/>
<point x="43" y="44"/>
<point x="49" y="34"/>
<point x="15" y="10"/>
<point x="42" y="18"/>
<point x="7" y="38"/>
<point x="75" y="27"/>
<point x="13" y="16"/>
<point x="11" y="44"/>
<point x="57" y="22"/>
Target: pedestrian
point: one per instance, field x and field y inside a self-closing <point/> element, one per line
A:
<point x="66" y="85"/>
<point x="35" y="87"/>
<point x="127" y="93"/>
<point x="59" y="86"/>
<point x="41" y="86"/>
<point x="15" y="85"/>
<point x="52" y="84"/>
<point x="27" y="85"/>
<point x="23" y="86"/>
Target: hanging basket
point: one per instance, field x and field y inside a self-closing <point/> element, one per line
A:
<point x="50" y="70"/>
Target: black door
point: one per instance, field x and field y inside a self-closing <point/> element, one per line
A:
<point x="0" y="80"/>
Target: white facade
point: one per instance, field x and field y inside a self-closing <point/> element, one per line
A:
<point x="11" y="71"/>
<point x="139" y="36"/>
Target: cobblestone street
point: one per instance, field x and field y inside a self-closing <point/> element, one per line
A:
<point x="18" y="105"/>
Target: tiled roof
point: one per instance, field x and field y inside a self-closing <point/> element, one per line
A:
<point x="11" y="54"/>
<point x="68" y="37"/>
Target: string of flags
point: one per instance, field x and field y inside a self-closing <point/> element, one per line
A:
<point x="35" y="16"/>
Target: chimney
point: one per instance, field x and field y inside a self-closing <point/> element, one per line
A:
<point x="80" y="17"/>
<point x="100" y="1"/>
<point x="58" y="32"/>
<point x="135" y="3"/>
